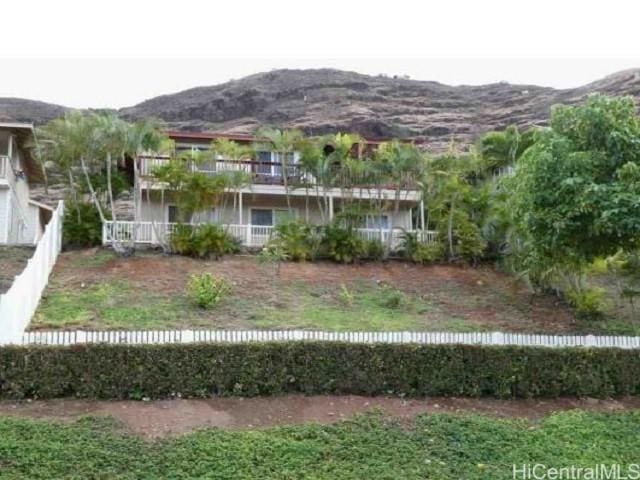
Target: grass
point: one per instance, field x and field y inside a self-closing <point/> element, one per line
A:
<point x="116" y="304"/>
<point x="442" y="446"/>
<point x="112" y="304"/>
<point x="96" y="289"/>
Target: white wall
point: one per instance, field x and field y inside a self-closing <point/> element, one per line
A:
<point x="4" y="195"/>
<point x="152" y="211"/>
<point x="15" y="211"/>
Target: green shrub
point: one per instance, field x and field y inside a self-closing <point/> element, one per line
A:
<point x="391" y="297"/>
<point x="588" y="303"/>
<point x="342" y="244"/>
<point x="298" y="239"/>
<point x="202" y="241"/>
<point x="181" y="239"/>
<point x="374" y="250"/>
<point x="275" y="368"/>
<point x="420" y="252"/>
<point x="82" y="226"/>
<point x="207" y="291"/>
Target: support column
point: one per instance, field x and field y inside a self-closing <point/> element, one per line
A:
<point x="240" y="208"/>
<point x="422" y="214"/>
<point x="331" y="208"/>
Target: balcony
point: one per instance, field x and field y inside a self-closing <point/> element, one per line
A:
<point x="266" y="173"/>
<point x="148" y="233"/>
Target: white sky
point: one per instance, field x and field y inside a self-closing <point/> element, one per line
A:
<point x="121" y="52"/>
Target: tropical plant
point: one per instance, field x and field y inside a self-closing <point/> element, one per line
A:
<point x="342" y="244"/>
<point x="202" y="241"/>
<point x="207" y="291"/>
<point x="82" y="226"/>
<point x="420" y="252"/>
<point x="404" y="165"/>
<point x="298" y="239"/>
<point x="284" y="143"/>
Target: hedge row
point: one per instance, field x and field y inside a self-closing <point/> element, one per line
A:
<point x="200" y="370"/>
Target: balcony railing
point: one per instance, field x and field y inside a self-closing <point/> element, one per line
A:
<point x="270" y="173"/>
<point x="4" y="166"/>
<point x="150" y="233"/>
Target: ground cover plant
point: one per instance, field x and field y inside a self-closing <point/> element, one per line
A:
<point x="441" y="446"/>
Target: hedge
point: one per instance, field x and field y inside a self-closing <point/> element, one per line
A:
<point x="201" y="370"/>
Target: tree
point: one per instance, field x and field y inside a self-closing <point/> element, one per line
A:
<point x="88" y="143"/>
<point x="576" y="193"/>
<point x="455" y="203"/>
<point x="403" y="164"/>
<point x="284" y="143"/>
<point x="237" y="176"/>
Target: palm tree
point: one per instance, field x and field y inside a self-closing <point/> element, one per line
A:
<point x="237" y="177"/>
<point x="284" y="143"/>
<point x="316" y="165"/>
<point x="403" y="164"/>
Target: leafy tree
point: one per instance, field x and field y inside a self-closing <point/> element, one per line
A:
<point x="576" y="194"/>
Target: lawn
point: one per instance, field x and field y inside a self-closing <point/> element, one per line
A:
<point x="95" y="289"/>
<point x="438" y="446"/>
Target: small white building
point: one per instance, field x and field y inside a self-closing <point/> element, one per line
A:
<point x="22" y="219"/>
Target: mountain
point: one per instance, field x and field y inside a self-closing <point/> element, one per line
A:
<point x="22" y="110"/>
<point x="324" y="100"/>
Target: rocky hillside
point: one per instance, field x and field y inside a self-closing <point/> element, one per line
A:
<point x="22" y="110"/>
<point x="321" y="101"/>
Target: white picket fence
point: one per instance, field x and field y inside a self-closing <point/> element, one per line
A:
<point x="19" y="303"/>
<point x="143" y="337"/>
<point x="142" y="233"/>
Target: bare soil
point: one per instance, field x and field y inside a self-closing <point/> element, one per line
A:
<point x="478" y="298"/>
<point x="12" y="262"/>
<point x="164" y="418"/>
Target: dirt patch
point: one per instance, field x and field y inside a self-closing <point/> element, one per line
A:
<point x="12" y="263"/>
<point x="442" y="297"/>
<point x="175" y="417"/>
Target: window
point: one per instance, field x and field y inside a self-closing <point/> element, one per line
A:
<point x="264" y="163"/>
<point x="268" y="217"/>
<point x="261" y="217"/>
<point x="377" y="222"/>
<point x="173" y="214"/>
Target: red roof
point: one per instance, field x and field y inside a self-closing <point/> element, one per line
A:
<point x="241" y="137"/>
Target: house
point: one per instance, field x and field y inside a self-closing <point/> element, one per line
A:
<point x="251" y="211"/>
<point x="22" y="219"/>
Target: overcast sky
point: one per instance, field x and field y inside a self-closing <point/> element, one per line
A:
<point x="116" y="83"/>
<point x="582" y="42"/>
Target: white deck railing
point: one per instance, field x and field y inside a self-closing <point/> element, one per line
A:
<point x="4" y="166"/>
<point x="144" y="337"/>
<point x="148" y="233"/>
<point x="19" y="303"/>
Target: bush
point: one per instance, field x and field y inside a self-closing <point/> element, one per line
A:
<point x="588" y="303"/>
<point x="207" y="291"/>
<point x="202" y="241"/>
<point x="275" y="368"/>
<point x="420" y="252"/>
<point x="391" y="297"/>
<point x="342" y="244"/>
<point x="374" y="250"/>
<point x="82" y="226"/>
<point x="298" y="239"/>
